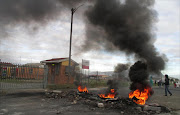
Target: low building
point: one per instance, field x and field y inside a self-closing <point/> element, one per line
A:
<point x="58" y="70"/>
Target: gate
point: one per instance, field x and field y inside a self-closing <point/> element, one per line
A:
<point x="14" y="76"/>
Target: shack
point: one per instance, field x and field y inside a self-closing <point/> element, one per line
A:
<point x="58" y="70"/>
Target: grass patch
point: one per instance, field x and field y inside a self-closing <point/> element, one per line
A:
<point x="94" y="83"/>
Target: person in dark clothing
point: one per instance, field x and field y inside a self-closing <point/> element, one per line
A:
<point x="167" y="85"/>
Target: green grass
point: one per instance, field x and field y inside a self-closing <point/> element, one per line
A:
<point x="93" y="83"/>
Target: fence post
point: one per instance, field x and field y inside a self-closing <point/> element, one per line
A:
<point x="45" y="76"/>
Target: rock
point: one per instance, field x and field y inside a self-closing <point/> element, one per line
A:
<point x="151" y="108"/>
<point x="100" y="105"/>
<point x="58" y="112"/>
<point x="57" y="91"/>
<point x="93" y="109"/>
<point x="153" y="104"/>
<point x="4" y="110"/>
<point x="139" y="108"/>
<point x="122" y="112"/>
<point x="74" y="102"/>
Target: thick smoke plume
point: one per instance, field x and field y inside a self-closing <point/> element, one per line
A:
<point x="138" y="75"/>
<point x="126" y="26"/>
<point x="16" y="12"/>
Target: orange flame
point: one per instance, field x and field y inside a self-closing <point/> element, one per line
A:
<point x="140" y="96"/>
<point x="109" y="95"/>
<point x="81" y="89"/>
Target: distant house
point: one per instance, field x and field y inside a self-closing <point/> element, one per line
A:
<point x="58" y="70"/>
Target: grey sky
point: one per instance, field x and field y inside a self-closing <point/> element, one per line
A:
<point x="51" y="40"/>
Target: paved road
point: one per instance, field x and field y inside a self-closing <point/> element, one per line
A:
<point x="33" y="102"/>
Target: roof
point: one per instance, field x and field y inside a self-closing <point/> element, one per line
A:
<point x="57" y="60"/>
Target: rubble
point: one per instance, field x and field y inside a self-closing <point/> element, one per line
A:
<point x="123" y="105"/>
<point x="100" y="105"/>
<point x="151" y="108"/>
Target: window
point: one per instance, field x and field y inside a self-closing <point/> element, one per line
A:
<point x="57" y="68"/>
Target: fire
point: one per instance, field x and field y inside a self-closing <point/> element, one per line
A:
<point x="81" y="89"/>
<point x="139" y="97"/>
<point x="109" y="95"/>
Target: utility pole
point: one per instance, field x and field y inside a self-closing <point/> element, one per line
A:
<point x="73" y="10"/>
<point x="69" y="69"/>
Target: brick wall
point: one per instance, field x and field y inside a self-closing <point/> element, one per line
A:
<point x="60" y="77"/>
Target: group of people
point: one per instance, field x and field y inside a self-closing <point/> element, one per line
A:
<point x="159" y="83"/>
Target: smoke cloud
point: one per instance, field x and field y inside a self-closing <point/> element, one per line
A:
<point x="121" y="67"/>
<point x="138" y="75"/>
<point x="126" y="26"/>
<point x="31" y="12"/>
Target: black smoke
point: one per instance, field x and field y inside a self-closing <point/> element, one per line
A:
<point x="121" y="67"/>
<point x="125" y="26"/>
<point x="138" y="75"/>
<point x="32" y="13"/>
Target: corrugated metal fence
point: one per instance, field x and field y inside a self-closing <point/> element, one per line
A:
<point x="15" y="76"/>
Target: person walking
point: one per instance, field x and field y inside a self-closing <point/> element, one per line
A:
<point x="167" y="85"/>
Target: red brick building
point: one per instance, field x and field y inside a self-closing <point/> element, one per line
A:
<point x="58" y="70"/>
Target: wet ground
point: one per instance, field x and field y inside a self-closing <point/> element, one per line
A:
<point x="33" y="102"/>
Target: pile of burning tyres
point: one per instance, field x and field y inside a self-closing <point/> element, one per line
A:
<point x="134" y="104"/>
<point x="111" y="100"/>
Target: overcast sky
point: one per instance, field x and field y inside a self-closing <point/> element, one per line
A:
<point x="52" y="41"/>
